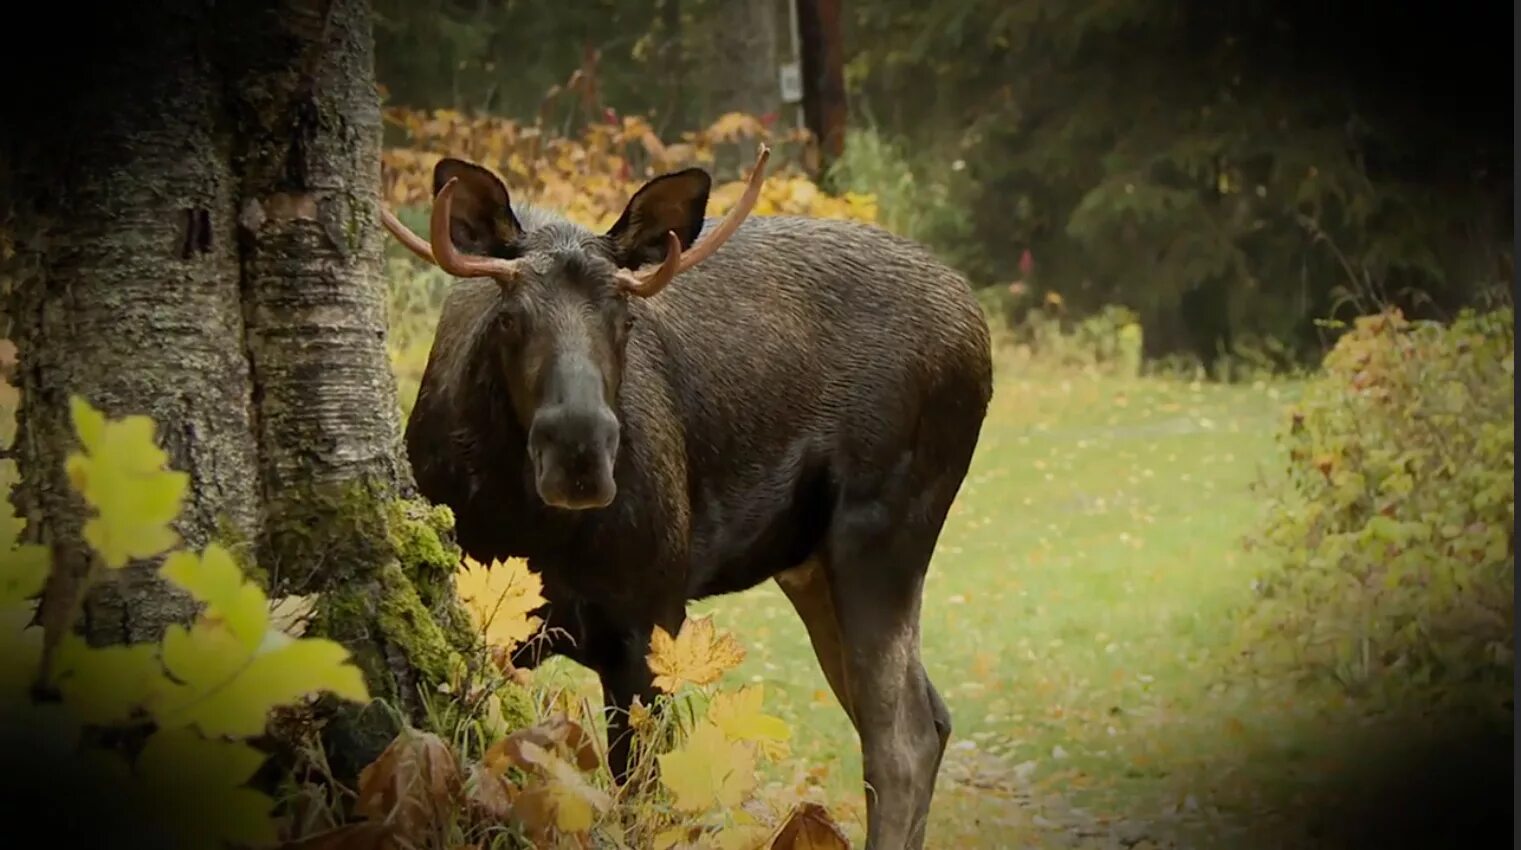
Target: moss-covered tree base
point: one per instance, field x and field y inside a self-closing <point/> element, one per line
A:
<point x="402" y="621"/>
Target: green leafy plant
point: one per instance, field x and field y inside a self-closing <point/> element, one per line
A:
<point x="191" y="700"/>
<point x="1392" y="535"/>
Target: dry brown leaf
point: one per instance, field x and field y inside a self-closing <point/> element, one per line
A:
<point x="559" y="735"/>
<point x="809" y="827"/>
<point x="414" y="785"/>
<point x="489" y="793"/>
<point x="561" y="801"/>
<point x="354" y="836"/>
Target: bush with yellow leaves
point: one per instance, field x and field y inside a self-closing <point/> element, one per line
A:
<point x="590" y="176"/>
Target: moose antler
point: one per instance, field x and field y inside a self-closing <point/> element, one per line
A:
<point x="645" y="284"/>
<point x="442" y="252"/>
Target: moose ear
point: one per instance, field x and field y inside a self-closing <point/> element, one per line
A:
<point x="480" y="217"/>
<point x="673" y="202"/>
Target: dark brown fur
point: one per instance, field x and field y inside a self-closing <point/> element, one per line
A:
<point x="802" y="406"/>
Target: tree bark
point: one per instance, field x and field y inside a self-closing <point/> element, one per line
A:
<point x="127" y="294"/>
<point x="744" y="53"/>
<point x="201" y="243"/>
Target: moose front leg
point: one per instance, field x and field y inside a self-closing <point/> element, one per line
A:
<point x="620" y="663"/>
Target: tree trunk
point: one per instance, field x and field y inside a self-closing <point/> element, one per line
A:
<point x="200" y="242"/>
<point x="744" y="55"/>
<point x="128" y="295"/>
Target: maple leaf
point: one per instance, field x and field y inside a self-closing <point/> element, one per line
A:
<point x="413" y="785"/>
<point x="738" y="715"/>
<point x="230" y="669"/>
<point x="23" y="566"/>
<point x="225" y="690"/>
<point x="708" y="770"/>
<point x="561" y="799"/>
<point x="215" y="579"/>
<point x="500" y="599"/>
<point x="120" y="474"/>
<point x="183" y="777"/>
<point x="105" y="684"/>
<point x="698" y="654"/>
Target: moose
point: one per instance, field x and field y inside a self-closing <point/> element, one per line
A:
<point x="651" y="419"/>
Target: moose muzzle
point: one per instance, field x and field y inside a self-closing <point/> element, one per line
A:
<point x="573" y="450"/>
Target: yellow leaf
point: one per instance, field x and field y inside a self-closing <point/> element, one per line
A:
<point x="120" y="474"/>
<point x="561" y="799"/>
<point x="104" y="684"/>
<point x="23" y="566"/>
<point x="708" y="770"/>
<point x="697" y="655"/>
<point x="500" y="599"/>
<point x="183" y="777"/>
<point x="738" y="715"/>
<point x="742" y="837"/>
<point x="216" y="580"/>
<point x="228" y="690"/>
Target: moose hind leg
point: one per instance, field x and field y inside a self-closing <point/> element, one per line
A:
<point x="807" y="588"/>
<point x="876" y="565"/>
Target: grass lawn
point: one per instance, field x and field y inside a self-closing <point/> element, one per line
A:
<point x="1088" y="568"/>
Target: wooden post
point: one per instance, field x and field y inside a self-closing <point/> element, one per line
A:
<point x="823" y="60"/>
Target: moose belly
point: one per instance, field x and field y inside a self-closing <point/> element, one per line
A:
<point x="743" y="536"/>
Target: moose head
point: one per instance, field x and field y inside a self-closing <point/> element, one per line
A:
<point x="558" y="330"/>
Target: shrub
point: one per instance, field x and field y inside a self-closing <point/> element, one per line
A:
<point x="590" y="176"/>
<point x="1391" y="536"/>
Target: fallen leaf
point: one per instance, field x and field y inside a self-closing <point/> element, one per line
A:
<point x="413" y="784"/>
<point x="809" y="827"/>
<point x="489" y="794"/>
<point x="562" y="799"/>
<point x="292" y="614"/>
<point x="738" y="715"/>
<point x="558" y="734"/>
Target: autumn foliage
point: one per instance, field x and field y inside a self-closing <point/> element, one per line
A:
<point x="694" y="785"/>
<point x="590" y="175"/>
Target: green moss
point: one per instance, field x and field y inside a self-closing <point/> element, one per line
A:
<point x="408" y="625"/>
<point x="418" y="533"/>
<point x="324" y="535"/>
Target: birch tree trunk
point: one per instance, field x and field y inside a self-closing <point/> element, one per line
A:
<point x="198" y="240"/>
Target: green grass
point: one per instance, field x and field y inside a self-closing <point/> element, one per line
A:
<point x="1080" y="591"/>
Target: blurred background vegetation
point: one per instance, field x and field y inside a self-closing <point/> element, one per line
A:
<point x="1222" y="175"/>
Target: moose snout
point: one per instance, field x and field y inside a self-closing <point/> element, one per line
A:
<point x="573" y="451"/>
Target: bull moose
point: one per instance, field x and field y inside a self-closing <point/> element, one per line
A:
<point x="649" y="422"/>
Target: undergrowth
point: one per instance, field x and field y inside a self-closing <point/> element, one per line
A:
<point x="1392" y="537"/>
